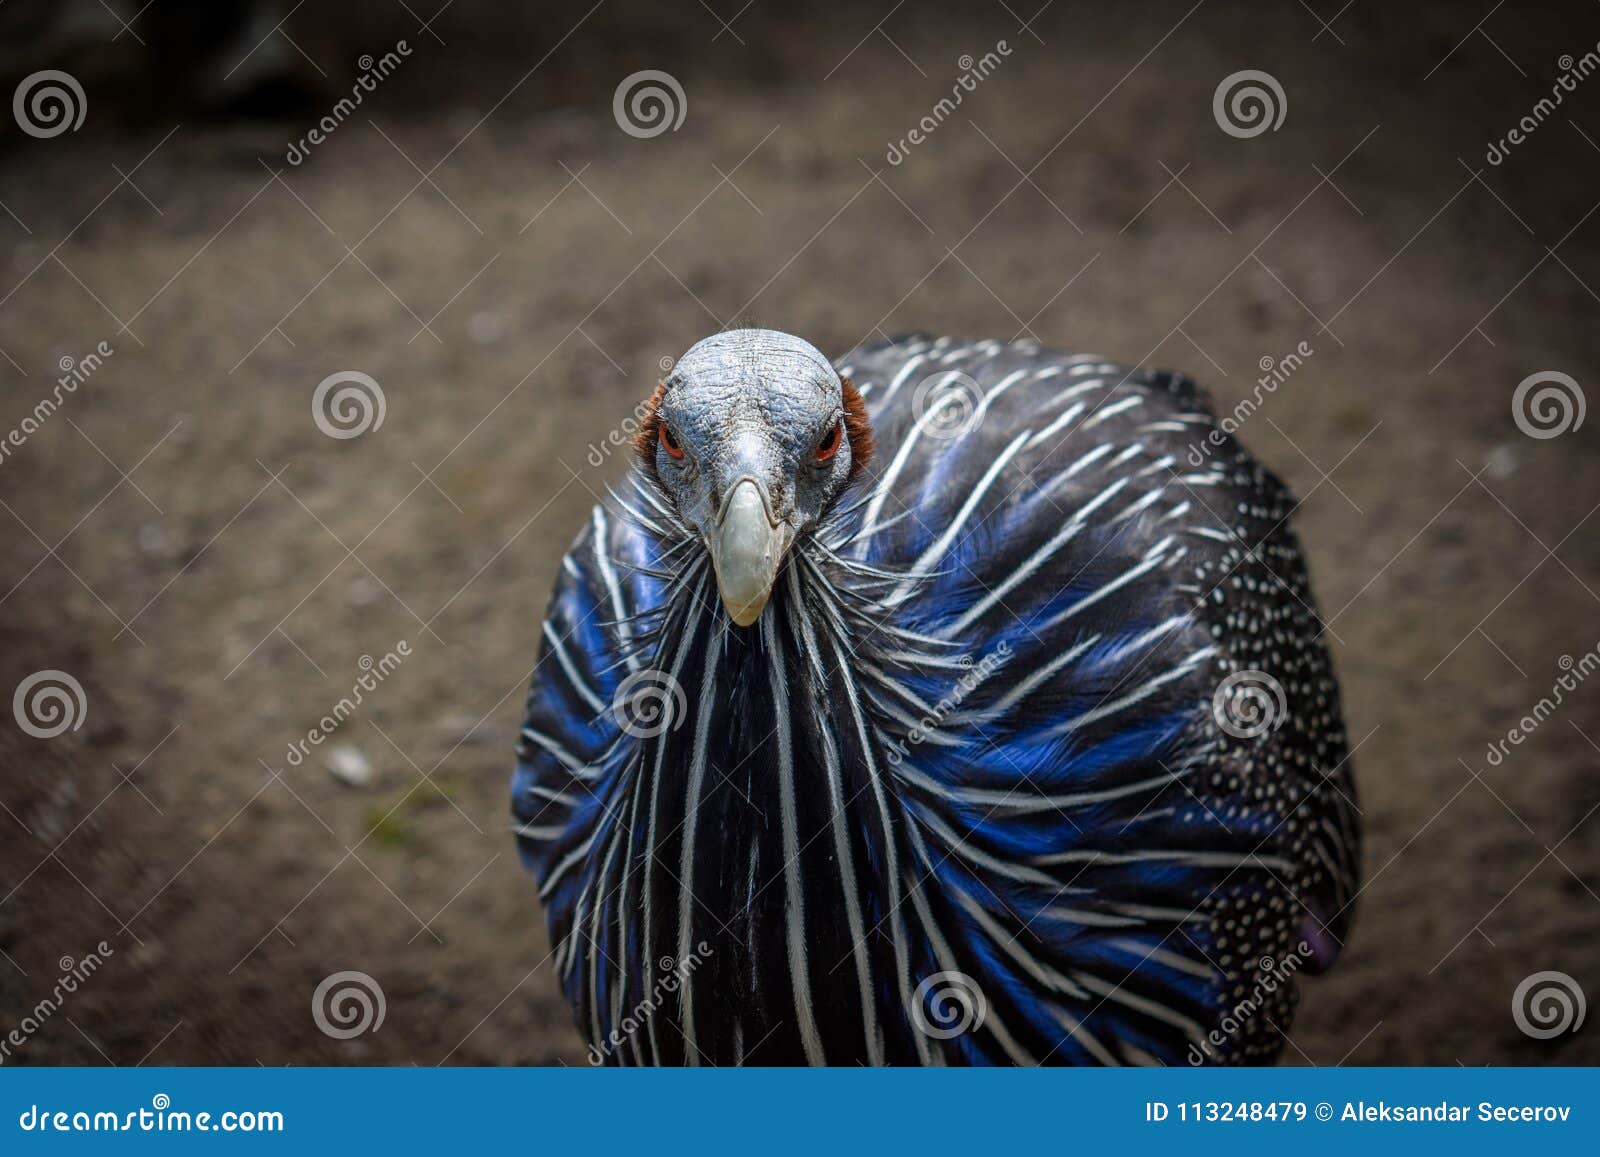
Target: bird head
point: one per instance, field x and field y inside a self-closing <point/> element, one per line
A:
<point x="752" y="437"/>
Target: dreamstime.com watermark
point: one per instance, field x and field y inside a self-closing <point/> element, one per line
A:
<point x="372" y="71"/>
<point x="373" y="673"/>
<point x="672" y="975"/>
<point x="1577" y="670"/>
<point x="972" y="678"/>
<point x="1274" y="975"/>
<point x="74" y="373"/>
<point x="973" y="73"/>
<point x="1572" y="72"/>
<point x="73" y="974"/>
<point x="1274" y="372"/>
<point x="160" y="1117"/>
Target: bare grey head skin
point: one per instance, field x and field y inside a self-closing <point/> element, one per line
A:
<point x="750" y="441"/>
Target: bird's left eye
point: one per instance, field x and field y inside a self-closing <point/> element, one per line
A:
<point x="668" y="442"/>
<point x="829" y="446"/>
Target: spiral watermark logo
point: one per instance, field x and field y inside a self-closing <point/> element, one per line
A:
<point x="1248" y="704"/>
<point x="649" y="103"/>
<point x="948" y="1004"/>
<point x="49" y="103"/>
<point x="1548" y="1004"/>
<point x="1548" y="404"/>
<point x="347" y="1004"/>
<point x="1249" y="103"/>
<point x="649" y="703"/>
<point x="948" y="404"/>
<point x="49" y="703"/>
<point x="348" y="404"/>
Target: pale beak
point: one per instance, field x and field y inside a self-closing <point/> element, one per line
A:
<point x="747" y="547"/>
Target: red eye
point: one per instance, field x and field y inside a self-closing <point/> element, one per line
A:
<point x="829" y="446"/>
<point x="668" y="442"/>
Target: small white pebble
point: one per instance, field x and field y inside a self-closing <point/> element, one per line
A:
<point x="349" y="766"/>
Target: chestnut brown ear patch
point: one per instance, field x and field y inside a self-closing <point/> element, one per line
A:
<point x="649" y="431"/>
<point x="857" y="428"/>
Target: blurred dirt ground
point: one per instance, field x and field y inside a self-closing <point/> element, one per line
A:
<point x="487" y="244"/>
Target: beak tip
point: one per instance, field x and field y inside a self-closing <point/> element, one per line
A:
<point x="747" y="614"/>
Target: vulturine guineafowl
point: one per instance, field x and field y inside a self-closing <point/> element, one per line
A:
<point x="962" y="704"/>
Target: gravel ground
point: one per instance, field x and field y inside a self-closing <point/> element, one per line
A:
<point x="511" y="267"/>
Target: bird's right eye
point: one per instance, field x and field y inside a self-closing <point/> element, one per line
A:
<point x="668" y="442"/>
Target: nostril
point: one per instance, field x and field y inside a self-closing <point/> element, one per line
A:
<point x="746" y="483"/>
